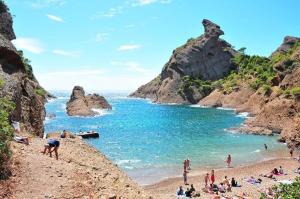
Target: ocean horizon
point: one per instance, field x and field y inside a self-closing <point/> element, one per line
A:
<point x="150" y="141"/>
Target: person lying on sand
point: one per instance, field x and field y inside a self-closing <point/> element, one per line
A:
<point x="52" y="145"/>
<point x="254" y="181"/>
<point x="20" y="139"/>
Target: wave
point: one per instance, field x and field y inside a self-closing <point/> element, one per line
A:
<point x="243" y="115"/>
<point x="122" y="162"/>
<point x="198" y="106"/>
<point x="101" y="112"/>
<point x="256" y="151"/>
<point x="233" y="131"/>
<point x="226" y="108"/>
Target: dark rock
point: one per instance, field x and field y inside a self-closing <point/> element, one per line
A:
<point x="17" y="86"/>
<point x="81" y="105"/>
<point x="287" y="44"/>
<point x="206" y="57"/>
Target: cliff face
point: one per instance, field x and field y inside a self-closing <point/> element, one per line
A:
<point x="206" y="58"/>
<point x="275" y="108"/>
<point x="15" y="83"/>
<point x="82" y="105"/>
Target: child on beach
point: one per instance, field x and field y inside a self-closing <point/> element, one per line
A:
<point x="206" y="179"/>
<point x="185" y="177"/>
<point x="228" y="160"/>
<point x="180" y="191"/>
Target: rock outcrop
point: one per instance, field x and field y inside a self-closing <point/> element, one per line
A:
<point x="15" y="83"/>
<point x="276" y="111"/>
<point x="206" y="58"/>
<point x="82" y="105"/>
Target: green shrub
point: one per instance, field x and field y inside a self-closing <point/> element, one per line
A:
<point x="6" y="134"/>
<point x="1" y="83"/>
<point x="40" y="91"/>
<point x="27" y="65"/>
<point x="286" y="191"/>
<point x="295" y="91"/>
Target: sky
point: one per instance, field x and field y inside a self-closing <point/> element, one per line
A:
<point x="118" y="45"/>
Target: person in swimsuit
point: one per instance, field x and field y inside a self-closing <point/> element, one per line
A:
<point x="291" y="152"/>
<point x="185" y="178"/>
<point x="266" y="147"/>
<point x="52" y="145"/>
<point x="206" y="179"/>
<point x="212" y="177"/>
<point x="228" y="160"/>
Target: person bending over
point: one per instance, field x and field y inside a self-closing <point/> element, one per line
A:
<point x="52" y="145"/>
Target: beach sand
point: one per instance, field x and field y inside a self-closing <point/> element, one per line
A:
<point x="167" y="188"/>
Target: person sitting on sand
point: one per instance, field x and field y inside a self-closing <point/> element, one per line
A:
<point x="297" y="170"/>
<point x="234" y="183"/>
<point x="269" y="193"/>
<point x="63" y="134"/>
<point x="180" y="191"/>
<point x="275" y="171"/>
<point x="227" y="184"/>
<point x="185" y="178"/>
<point x="222" y="188"/>
<point x="228" y="160"/>
<point x="188" y="193"/>
<point x="192" y="190"/>
<point x="206" y="179"/>
<point x="52" y="145"/>
<point x="280" y="170"/>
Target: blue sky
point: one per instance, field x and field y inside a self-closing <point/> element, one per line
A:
<point x="121" y="44"/>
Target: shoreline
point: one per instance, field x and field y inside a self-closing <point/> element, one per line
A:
<point x="167" y="187"/>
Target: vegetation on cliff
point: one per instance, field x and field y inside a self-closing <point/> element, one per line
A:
<point x="6" y="134"/>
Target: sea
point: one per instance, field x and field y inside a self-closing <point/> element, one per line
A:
<point x="150" y="141"/>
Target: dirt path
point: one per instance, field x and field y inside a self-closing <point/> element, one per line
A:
<point x="80" y="172"/>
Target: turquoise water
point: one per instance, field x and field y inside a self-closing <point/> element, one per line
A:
<point x="150" y="141"/>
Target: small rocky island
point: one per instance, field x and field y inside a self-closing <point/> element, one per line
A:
<point x="84" y="105"/>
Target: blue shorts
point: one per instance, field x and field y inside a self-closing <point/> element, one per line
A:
<point x="53" y="143"/>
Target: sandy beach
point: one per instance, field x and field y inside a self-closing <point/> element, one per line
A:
<point x="167" y="188"/>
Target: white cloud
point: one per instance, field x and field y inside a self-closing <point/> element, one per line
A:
<point x="46" y="3"/>
<point x="131" y="66"/>
<point x="128" y="47"/>
<point x="101" y="36"/>
<point x="65" y="53"/>
<point x="93" y="79"/>
<point x="113" y="12"/>
<point x="29" y="44"/>
<point x="55" y="18"/>
<point x="148" y="2"/>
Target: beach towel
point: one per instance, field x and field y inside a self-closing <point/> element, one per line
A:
<point x="286" y="181"/>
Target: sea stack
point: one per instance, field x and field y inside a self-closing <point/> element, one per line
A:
<point x="206" y="58"/>
<point x="84" y="105"/>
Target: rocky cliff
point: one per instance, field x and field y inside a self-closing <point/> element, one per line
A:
<point x="185" y="76"/>
<point x="15" y="84"/>
<point x="85" y="105"/>
<point x="268" y="88"/>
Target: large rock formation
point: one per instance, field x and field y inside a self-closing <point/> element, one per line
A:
<point x="275" y="111"/>
<point x="82" y="105"/>
<point x="206" y="58"/>
<point x="15" y="83"/>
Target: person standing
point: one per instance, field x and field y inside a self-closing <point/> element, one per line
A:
<point x="266" y="147"/>
<point x="185" y="178"/>
<point x="291" y="152"/>
<point x="206" y="179"/>
<point x="228" y="160"/>
<point x="212" y="177"/>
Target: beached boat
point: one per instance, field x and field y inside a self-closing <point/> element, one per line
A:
<point x="89" y="134"/>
